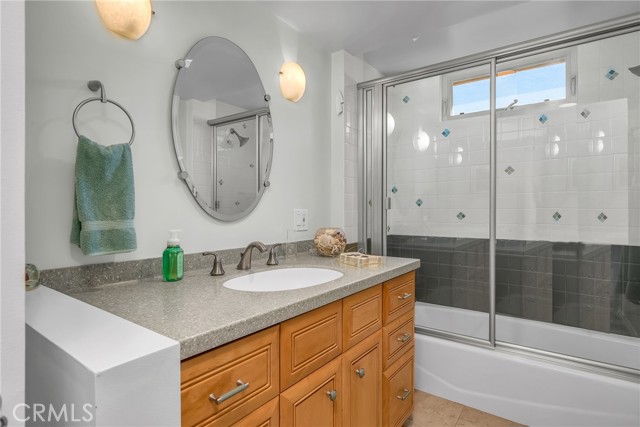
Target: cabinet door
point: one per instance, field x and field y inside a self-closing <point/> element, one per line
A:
<point x="362" y="315"/>
<point x="309" y="341"/>
<point x="315" y="400"/>
<point x="221" y="386"/>
<point x="265" y="416"/>
<point x="397" y="391"/>
<point x="362" y="380"/>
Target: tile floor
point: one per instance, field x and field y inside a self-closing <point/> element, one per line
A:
<point x="434" y="411"/>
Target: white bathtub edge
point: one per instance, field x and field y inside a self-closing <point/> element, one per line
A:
<point x="521" y="389"/>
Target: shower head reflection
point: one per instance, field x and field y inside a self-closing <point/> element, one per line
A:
<point x="243" y="139"/>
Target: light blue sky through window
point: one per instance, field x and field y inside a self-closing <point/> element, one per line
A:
<point x="527" y="86"/>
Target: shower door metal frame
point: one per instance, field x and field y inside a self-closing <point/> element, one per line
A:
<point x="377" y="180"/>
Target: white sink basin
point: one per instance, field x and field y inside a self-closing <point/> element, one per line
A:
<point x="283" y="279"/>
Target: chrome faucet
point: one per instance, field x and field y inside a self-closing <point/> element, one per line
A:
<point x="245" y="257"/>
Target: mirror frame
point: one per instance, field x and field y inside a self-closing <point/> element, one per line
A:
<point x="183" y="175"/>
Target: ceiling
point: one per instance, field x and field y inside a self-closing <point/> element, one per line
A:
<point x="383" y="32"/>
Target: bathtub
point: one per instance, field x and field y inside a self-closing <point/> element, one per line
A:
<point x="526" y="390"/>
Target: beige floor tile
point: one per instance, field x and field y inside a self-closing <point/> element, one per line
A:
<point x="473" y="418"/>
<point x="433" y="411"/>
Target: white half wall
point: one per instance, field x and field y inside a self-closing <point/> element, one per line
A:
<point x="12" y="341"/>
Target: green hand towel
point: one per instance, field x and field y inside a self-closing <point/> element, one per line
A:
<point x="104" y="205"/>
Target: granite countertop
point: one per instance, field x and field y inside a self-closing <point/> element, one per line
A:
<point x="201" y="314"/>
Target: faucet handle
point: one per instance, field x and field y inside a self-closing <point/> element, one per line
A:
<point x="217" y="269"/>
<point x="273" y="256"/>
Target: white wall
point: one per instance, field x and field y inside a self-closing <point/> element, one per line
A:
<point x="67" y="45"/>
<point x="12" y="340"/>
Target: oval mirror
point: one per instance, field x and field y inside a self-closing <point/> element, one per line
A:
<point x="222" y="130"/>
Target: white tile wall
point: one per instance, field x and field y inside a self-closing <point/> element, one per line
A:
<point x="580" y="167"/>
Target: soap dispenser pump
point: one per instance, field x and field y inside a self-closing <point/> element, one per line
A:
<point x="173" y="258"/>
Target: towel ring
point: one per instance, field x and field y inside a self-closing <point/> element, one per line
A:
<point x="94" y="85"/>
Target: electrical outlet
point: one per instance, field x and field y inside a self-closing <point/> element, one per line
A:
<point x="300" y="219"/>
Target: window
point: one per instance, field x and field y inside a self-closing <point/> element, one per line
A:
<point x="517" y="84"/>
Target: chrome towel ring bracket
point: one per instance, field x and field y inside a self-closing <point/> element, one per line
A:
<point x="94" y="85"/>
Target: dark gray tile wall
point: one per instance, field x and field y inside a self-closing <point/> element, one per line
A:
<point x="594" y="287"/>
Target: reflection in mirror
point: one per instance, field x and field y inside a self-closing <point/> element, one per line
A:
<point x="222" y="129"/>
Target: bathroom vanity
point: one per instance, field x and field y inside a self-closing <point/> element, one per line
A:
<point x="338" y="353"/>
<point x="349" y="362"/>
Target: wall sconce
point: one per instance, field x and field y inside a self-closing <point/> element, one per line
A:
<point x="128" y="18"/>
<point x="292" y="81"/>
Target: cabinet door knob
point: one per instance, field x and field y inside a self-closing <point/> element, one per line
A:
<point x="406" y="394"/>
<point x="332" y="395"/>
<point x="360" y="372"/>
<point x="406" y="295"/>
<point x="404" y="338"/>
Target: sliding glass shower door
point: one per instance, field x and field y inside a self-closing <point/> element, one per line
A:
<point x="567" y="202"/>
<point x="438" y="189"/>
<point x="562" y="271"/>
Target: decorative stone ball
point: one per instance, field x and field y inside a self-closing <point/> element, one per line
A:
<point x="330" y="241"/>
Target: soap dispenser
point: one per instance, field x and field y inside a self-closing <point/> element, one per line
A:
<point x="173" y="258"/>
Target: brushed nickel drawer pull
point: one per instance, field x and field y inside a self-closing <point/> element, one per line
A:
<point x="406" y="394"/>
<point x="404" y="338"/>
<point x="360" y="372"/>
<point x="241" y="387"/>
<point x="406" y="295"/>
<point x="332" y="395"/>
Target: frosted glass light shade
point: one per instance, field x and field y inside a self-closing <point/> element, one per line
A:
<point x="128" y="18"/>
<point x="292" y="81"/>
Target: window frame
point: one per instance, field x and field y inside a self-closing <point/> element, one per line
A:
<point x="568" y="56"/>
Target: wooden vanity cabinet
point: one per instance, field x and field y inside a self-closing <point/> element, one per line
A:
<point x="347" y="363"/>
<point x="268" y="415"/>
<point x="362" y="383"/>
<point x="309" y="341"/>
<point x="398" y="296"/>
<point x="316" y="400"/>
<point x="221" y="386"/>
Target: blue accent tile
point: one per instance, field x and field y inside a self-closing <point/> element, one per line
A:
<point x="405" y="99"/>
<point x="394" y="190"/>
<point x="557" y="216"/>
<point x="543" y="119"/>
<point x="419" y="202"/>
<point x="585" y="113"/>
<point x="509" y="170"/>
<point x="461" y="216"/>
<point x="446" y="133"/>
<point x="611" y="74"/>
<point x="602" y="217"/>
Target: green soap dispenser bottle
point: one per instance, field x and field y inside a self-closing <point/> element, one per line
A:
<point x="173" y="258"/>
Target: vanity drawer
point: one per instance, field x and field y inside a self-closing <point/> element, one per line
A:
<point x="268" y="415"/>
<point x="309" y="341"/>
<point x="397" y="337"/>
<point x="398" y="296"/>
<point x="397" y="391"/>
<point x="362" y="315"/>
<point x="252" y="360"/>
